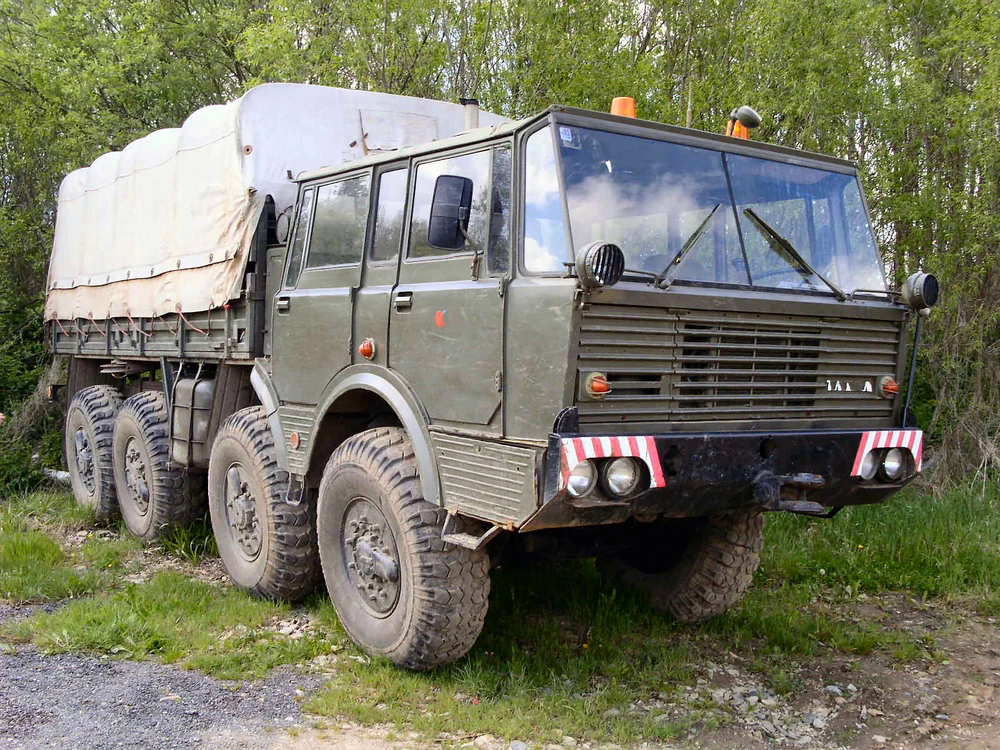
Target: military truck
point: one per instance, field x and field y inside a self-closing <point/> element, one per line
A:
<point x="575" y="333"/>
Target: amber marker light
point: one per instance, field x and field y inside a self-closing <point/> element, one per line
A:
<point x="367" y="349"/>
<point x="623" y="106"/>
<point x="887" y="387"/>
<point x="597" y="385"/>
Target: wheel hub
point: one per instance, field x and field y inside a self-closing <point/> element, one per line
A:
<point x="136" y="477"/>
<point x="371" y="557"/>
<point x="84" y="458"/>
<point x="241" y="512"/>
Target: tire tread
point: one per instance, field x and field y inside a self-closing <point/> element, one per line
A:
<point x="451" y="583"/>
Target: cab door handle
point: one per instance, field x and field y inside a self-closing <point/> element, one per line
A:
<point x="283" y="305"/>
<point x="404" y="301"/>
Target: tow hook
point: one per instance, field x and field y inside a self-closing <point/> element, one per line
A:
<point x="787" y="492"/>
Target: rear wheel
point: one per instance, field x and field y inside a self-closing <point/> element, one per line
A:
<point x="399" y="590"/>
<point x="154" y="496"/>
<point x="90" y="426"/>
<point x="695" y="569"/>
<point x="267" y="544"/>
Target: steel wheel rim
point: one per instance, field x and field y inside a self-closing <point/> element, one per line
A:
<point x="83" y="457"/>
<point x="137" y="476"/>
<point x="243" y="514"/>
<point x="370" y="557"/>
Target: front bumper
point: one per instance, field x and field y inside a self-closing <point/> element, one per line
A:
<point x="691" y="475"/>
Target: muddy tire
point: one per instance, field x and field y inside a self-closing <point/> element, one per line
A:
<point x="399" y="590"/>
<point x="267" y="545"/>
<point x="713" y="565"/>
<point x="154" y="497"/>
<point x="90" y="427"/>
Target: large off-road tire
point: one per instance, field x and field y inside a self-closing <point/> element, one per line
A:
<point x="90" y="427"/>
<point x="267" y="544"/>
<point x="695" y="569"/>
<point x="154" y="496"/>
<point x="399" y="590"/>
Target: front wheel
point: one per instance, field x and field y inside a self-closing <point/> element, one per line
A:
<point x="399" y="590"/>
<point x="695" y="568"/>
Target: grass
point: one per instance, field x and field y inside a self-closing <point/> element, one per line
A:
<point x="561" y="653"/>
<point x="946" y="546"/>
<point x="223" y="632"/>
<point x="34" y="567"/>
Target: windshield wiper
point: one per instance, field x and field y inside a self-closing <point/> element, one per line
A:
<point x="664" y="279"/>
<point x="779" y="244"/>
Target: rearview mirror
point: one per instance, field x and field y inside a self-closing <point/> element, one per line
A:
<point x="450" y="210"/>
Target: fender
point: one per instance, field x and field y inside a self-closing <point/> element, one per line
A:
<point x="401" y="399"/>
<point x="260" y="379"/>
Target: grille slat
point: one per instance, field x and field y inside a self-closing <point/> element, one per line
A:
<point x="670" y="367"/>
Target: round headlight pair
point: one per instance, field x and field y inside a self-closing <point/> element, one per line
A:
<point x="892" y="464"/>
<point x="620" y="476"/>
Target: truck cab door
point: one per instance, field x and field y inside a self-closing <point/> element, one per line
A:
<point x="313" y="312"/>
<point x="371" y="305"/>
<point x="446" y="317"/>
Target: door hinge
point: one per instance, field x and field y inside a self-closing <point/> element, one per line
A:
<point x="498" y="381"/>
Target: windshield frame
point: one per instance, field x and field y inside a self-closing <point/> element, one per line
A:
<point x="686" y="137"/>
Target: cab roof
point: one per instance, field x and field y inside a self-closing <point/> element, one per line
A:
<point x="603" y="121"/>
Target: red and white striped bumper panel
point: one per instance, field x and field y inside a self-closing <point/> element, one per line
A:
<point x="911" y="440"/>
<point x="575" y="450"/>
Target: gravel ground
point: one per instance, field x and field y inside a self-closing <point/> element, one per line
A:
<point x="867" y="703"/>
<point x="80" y="701"/>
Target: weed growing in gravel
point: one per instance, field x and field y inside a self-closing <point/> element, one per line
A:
<point x="193" y="543"/>
<point x="221" y="631"/>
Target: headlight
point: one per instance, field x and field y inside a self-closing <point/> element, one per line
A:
<point x="893" y="463"/>
<point x="600" y="264"/>
<point x="622" y="476"/>
<point x="582" y="479"/>
<point x="869" y="465"/>
<point x="920" y="291"/>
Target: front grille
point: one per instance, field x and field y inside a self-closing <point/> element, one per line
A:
<point x="669" y="366"/>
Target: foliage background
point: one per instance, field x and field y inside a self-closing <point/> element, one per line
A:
<point x="909" y="89"/>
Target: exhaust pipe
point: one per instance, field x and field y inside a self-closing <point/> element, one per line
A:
<point x="471" y="113"/>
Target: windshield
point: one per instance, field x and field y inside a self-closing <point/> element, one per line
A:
<point x="657" y="200"/>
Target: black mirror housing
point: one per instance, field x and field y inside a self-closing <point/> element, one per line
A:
<point x="450" y="211"/>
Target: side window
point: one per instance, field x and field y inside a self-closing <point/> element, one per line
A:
<point x="389" y="215"/>
<point x="338" y="233"/>
<point x="546" y="244"/>
<point x="299" y="240"/>
<point x="499" y="250"/>
<point x="475" y="167"/>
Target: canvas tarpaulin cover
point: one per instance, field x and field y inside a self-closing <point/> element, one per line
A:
<point x="165" y="224"/>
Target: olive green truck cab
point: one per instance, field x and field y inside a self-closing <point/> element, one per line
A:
<point x="577" y="332"/>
